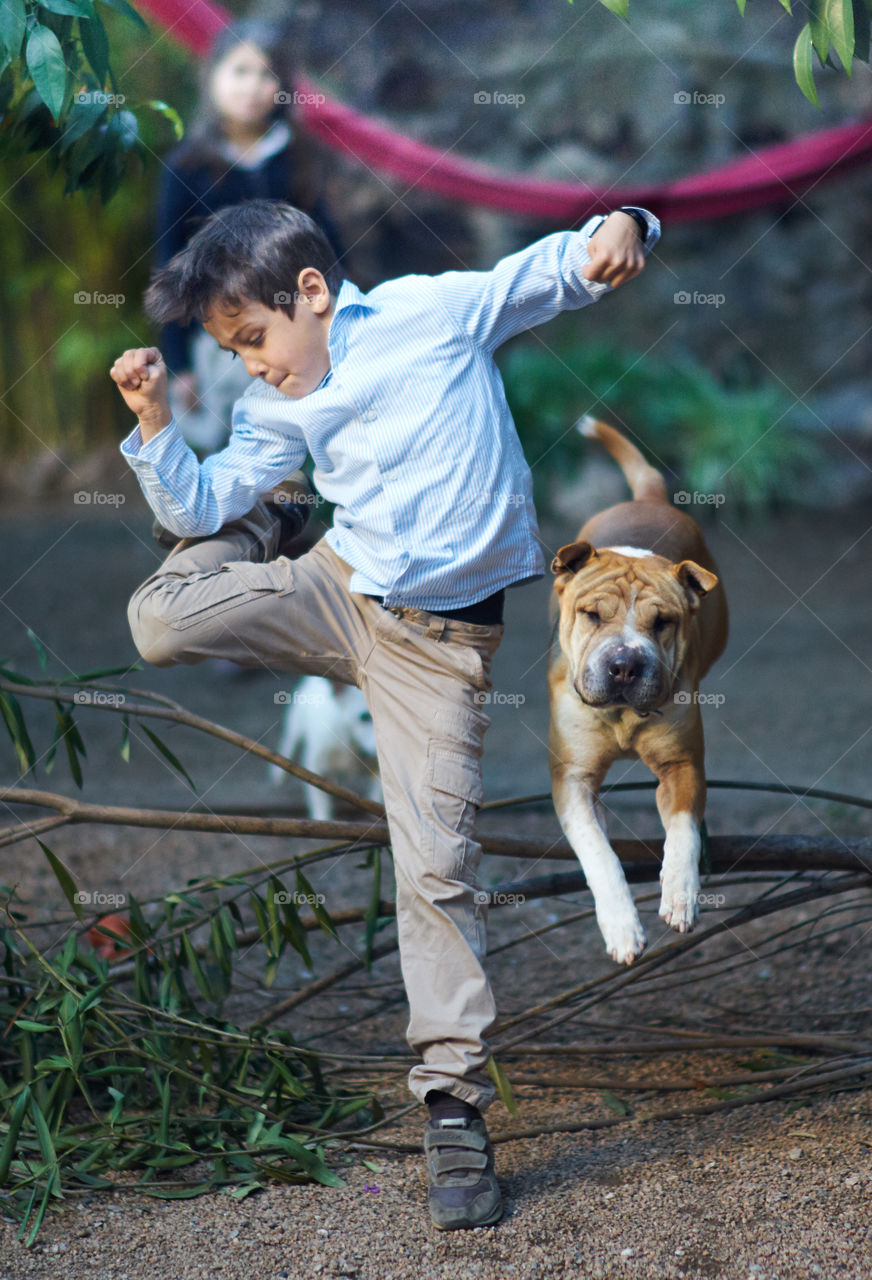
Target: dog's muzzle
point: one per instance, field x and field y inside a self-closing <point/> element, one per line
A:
<point x="618" y="673"/>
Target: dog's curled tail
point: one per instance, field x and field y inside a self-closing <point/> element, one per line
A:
<point x="645" y="481"/>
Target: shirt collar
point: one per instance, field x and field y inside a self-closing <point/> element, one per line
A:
<point x="350" y="296"/>
<point x="275" y="138"/>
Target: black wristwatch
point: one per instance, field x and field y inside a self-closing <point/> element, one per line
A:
<point x="639" y="220"/>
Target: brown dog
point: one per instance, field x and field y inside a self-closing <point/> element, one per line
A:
<point x="641" y="616"/>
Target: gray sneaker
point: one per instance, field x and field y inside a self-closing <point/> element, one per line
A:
<point x="464" y="1191"/>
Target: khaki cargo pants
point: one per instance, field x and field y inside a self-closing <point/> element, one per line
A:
<point x="226" y="596"/>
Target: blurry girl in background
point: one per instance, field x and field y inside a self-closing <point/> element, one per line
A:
<point x="244" y="142"/>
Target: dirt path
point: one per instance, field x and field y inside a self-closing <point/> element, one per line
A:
<point x="753" y="1194"/>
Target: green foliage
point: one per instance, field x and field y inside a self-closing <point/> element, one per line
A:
<point x="104" y="1081"/>
<point x="840" y="25"/>
<point x="714" y="438"/>
<point x="134" y="1079"/>
<point x="59" y="93"/>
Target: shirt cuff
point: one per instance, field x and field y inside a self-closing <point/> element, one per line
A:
<point x="155" y="450"/>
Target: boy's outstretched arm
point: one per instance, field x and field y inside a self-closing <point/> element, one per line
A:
<point x="561" y="272"/>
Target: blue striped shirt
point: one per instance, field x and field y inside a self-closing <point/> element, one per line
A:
<point x="410" y="432"/>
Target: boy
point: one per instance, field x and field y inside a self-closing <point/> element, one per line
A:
<point x="396" y="397"/>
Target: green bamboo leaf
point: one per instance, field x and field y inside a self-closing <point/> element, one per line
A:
<point x="121" y="6"/>
<point x="293" y="928"/>
<point x="27" y="1025"/>
<point x="614" y="1103"/>
<point x="840" y="25"/>
<point x="64" y="879"/>
<point x="97" y="674"/>
<point x="125" y="738"/>
<point x="785" y="4"/>
<point x="321" y="915"/>
<point x="619" y="7"/>
<point x="77" y="8"/>
<point x="169" y="113"/>
<point x="504" y="1088"/>
<point x="802" y="68"/>
<point x="165" y="751"/>
<point x="14" y="720"/>
<point x="34" y="639"/>
<point x="46" y="1146"/>
<point x="741" y="4"/>
<point x="196" y="969"/>
<point x="82" y="117"/>
<point x="95" y="44"/>
<point x="15" y="675"/>
<point x="7" y="1151"/>
<point x="45" y="62"/>
<point x="819" y="29"/>
<point x="274" y="934"/>
<point x="13" y="19"/>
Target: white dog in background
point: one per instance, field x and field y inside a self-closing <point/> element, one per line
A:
<point x="328" y="730"/>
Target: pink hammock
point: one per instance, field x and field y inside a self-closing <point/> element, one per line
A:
<point x="774" y="174"/>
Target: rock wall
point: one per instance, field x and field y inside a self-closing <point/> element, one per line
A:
<point x="583" y="94"/>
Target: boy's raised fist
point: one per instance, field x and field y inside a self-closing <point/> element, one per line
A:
<point x="141" y="376"/>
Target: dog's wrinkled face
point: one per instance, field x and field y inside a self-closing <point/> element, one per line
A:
<point x="625" y="622"/>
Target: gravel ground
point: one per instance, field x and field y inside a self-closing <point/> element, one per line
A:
<point x="770" y="1194"/>
<point x="780" y="1190"/>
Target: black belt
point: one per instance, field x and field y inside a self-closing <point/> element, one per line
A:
<point x="485" y="612"/>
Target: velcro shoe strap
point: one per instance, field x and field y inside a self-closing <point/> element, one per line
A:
<point x="443" y="1162"/>
<point x="456" y="1138"/>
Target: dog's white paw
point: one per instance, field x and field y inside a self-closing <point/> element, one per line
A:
<point x="624" y="935"/>
<point x="678" y="901"/>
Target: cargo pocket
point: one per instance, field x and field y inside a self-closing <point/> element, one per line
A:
<point x="201" y="596"/>
<point x="453" y="796"/>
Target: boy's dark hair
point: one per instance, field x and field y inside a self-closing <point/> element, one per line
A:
<point x="253" y="251"/>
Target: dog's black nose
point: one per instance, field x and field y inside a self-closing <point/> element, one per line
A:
<point x="625" y="667"/>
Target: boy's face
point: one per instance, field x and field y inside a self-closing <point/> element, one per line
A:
<point x="291" y="355"/>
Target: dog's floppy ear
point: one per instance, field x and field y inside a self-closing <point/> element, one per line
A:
<point x="569" y="559"/>
<point x="697" y="582"/>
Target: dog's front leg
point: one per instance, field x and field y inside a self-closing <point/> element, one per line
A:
<point x="681" y="804"/>
<point x="577" y="804"/>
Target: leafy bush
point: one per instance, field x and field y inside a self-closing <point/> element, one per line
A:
<point x="714" y="438"/>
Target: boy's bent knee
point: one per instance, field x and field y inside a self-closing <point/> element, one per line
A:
<point x="156" y="642"/>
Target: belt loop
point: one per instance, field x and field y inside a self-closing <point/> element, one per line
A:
<point x="436" y="626"/>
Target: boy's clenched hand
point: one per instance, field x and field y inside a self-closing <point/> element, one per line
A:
<point x="141" y="376"/>
<point x="615" y="251"/>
